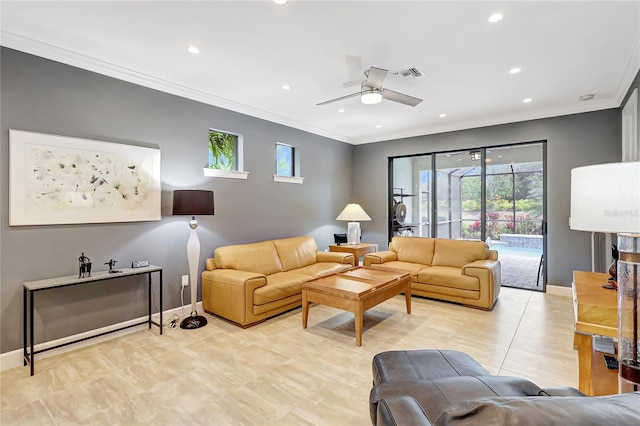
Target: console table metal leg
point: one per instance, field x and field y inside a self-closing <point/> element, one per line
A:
<point x="150" y="296"/>
<point x="32" y="358"/>
<point x="161" y="321"/>
<point x="24" y="326"/>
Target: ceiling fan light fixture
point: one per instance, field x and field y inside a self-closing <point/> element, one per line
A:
<point x="371" y="96"/>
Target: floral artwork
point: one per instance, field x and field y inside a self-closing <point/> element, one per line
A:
<point x="55" y="179"/>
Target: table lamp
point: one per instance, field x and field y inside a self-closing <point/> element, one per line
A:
<point x="193" y="202"/>
<point x="353" y="213"/>
<point x="606" y="198"/>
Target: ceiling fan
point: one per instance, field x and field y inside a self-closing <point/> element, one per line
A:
<point x="372" y="92"/>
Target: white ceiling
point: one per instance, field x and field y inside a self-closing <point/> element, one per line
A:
<point x="249" y="49"/>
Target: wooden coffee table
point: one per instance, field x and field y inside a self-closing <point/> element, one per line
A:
<point x="356" y="290"/>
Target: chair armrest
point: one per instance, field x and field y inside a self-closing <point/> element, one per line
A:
<point x="331" y="256"/>
<point x="380" y="257"/>
<point x="560" y="391"/>
<point x="400" y="410"/>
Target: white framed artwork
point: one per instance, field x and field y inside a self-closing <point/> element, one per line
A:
<point x="64" y="180"/>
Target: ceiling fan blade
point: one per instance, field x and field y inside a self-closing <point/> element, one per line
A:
<point x="340" y="98"/>
<point x="400" y="97"/>
<point x="375" y="77"/>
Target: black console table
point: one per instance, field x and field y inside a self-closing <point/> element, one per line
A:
<point x="31" y="287"/>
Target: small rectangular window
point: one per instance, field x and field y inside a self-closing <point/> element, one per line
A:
<point x="285" y="160"/>
<point x="223" y="151"/>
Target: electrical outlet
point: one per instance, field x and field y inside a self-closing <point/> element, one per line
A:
<point x="185" y="280"/>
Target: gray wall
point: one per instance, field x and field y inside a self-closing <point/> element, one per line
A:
<point x="44" y="96"/>
<point x="572" y="141"/>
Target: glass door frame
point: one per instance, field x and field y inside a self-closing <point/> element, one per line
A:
<point x="483" y="193"/>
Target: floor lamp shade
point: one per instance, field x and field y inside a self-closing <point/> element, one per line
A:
<point x="193" y="202"/>
<point x="606" y="198"/>
<point x="353" y="213"/>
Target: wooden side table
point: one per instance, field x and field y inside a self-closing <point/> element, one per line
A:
<point x="596" y="313"/>
<point x="357" y="250"/>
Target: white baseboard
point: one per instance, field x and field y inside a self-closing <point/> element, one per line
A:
<point x="14" y="358"/>
<point x="558" y="290"/>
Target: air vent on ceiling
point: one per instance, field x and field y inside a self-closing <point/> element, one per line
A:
<point x="409" y="74"/>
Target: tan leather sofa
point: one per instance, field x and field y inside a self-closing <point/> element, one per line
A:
<point x="458" y="271"/>
<point x="249" y="283"/>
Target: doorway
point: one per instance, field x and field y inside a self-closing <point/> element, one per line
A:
<point x="492" y="194"/>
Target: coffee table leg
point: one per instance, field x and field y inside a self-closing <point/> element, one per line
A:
<point x="305" y="309"/>
<point x="359" y="314"/>
<point x="407" y="296"/>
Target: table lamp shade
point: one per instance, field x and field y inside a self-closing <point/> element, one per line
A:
<point x="192" y="202"/>
<point x="606" y="198"/>
<point x="353" y="213"/>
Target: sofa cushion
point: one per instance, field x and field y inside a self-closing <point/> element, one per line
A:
<point x="411" y="268"/>
<point x="296" y="252"/>
<point x="255" y="257"/>
<point x="457" y="253"/>
<point x="279" y="286"/>
<point x="623" y="409"/>
<point x="413" y="249"/>
<point x="398" y="366"/>
<point x="448" y="277"/>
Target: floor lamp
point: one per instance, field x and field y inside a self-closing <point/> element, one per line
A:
<point x="193" y="202"/>
<point x="353" y="213"/>
<point x="606" y="198"/>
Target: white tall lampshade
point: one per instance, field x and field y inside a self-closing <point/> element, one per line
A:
<point x="193" y="202"/>
<point x="606" y="198"/>
<point x="353" y="213"/>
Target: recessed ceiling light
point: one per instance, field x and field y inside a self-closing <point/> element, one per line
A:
<point x="495" y="17"/>
<point x="443" y="115"/>
<point x="193" y="49"/>
<point x="286" y="87"/>
<point x="341" y="110"/>
<point x="587" y="97"/>
<point x="527" y="100"/>
<point x="279" y="1"/>
<point x="514" y="70"/>
<point x="379" y="126"/>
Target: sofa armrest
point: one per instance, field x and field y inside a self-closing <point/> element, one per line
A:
<point x="488" y="273"/>
<point x="380" y="257"/>
<point x="210" y="264"/>
<point x="401" y="410"/>
<point x="234" y="277"/>
<point x="331" y="256"/>
<point x="229" y="294"/>
<point x="560" y="391"/>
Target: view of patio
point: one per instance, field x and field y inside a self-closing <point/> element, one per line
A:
<point x="494" y="195"/>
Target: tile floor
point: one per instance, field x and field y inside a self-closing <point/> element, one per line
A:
<point x="276" y="373"/>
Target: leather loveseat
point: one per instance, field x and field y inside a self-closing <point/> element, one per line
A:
<point x="432" y="387"/>
<point x="249" y="283"/>
<point x="460" y="271"/>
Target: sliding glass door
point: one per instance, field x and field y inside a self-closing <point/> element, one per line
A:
<point x="490" y="194"/>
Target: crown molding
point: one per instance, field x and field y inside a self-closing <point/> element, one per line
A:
<point x="54" y="53"/>
<point x="68" y="57"/>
